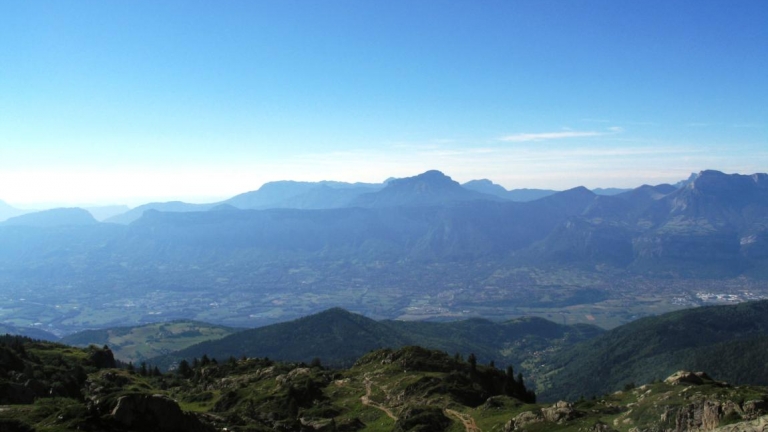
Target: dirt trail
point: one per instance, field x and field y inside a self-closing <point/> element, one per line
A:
<point x="366" y="400"/>
<point x="465" y="419"/>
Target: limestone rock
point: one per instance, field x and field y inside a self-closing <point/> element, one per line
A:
<point x="559" y="412"/>
<point x="686" y="377"/>
<point x="521" y="420"/>
<point x="755" y="408"/>
<point x="704" y="416"/>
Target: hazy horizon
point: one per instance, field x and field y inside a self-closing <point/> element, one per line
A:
<point x="128" y="103"/>
<point x="137" y="201"/>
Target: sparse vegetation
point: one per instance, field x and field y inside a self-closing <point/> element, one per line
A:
<point x="409" y="389"/>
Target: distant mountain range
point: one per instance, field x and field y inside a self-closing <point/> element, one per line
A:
<point x="324" y="195"/>
<point x="715" y="225"/>
<point x="425" y="237"/>
<point x="100" y="213"/>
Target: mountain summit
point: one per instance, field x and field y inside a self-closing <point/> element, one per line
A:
<point x="429" y="188"/>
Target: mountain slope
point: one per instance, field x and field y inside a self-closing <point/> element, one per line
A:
<point x="53" y="218"/>
<point x="46" y="386"/>
<point x="151" y="340"/>
<point x="717" y="224"/>
<point x="172" y="206"/>
<point x="470" y="229"/>
<point x="487" y="187"/>
<point x="337" y="336"/>
<point x="730" y="341"/>
<point x="522" y="195"/>
<point x="302" y="195"/>
<point x="8" y="211"/>
<point x="508" y="342"/>
<point x="102" y="213"/>
<point x="30" y="332"/>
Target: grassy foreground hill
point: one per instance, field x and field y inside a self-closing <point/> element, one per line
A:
<point x="409" y="389"/>
<point x="338" y="337"/>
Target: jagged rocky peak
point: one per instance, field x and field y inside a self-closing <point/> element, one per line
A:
<point x="686" y="182"/>
<point x="431" y="178"/>
<point x="429" y="188"/>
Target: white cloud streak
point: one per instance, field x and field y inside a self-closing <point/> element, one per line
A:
<point x="545" y="136"/>
<point x="566" y="133"/>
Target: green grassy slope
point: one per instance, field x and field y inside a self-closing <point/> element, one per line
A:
<point x="338" y="337"/>
<point x="143" y="342"/>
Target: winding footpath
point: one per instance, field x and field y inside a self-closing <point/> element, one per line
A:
<point x="465" y="419"/>
<point x="366" y="400"/>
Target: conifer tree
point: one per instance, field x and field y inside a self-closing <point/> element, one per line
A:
<point x="184" y="369"/>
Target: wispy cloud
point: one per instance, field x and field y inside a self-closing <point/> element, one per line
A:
<point x="562" y="134"/>
<point x="639" y="123"/>
<point x="544" y="136"/>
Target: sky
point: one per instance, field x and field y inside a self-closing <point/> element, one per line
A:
<point x="126" y="102"/>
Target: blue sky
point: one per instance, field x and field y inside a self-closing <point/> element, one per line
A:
<point x="128" y="102"/>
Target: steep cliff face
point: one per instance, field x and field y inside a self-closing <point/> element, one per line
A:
<point x="706" y="415"/>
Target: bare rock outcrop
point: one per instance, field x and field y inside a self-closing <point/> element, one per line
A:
<point x="757" y="425"/>
<point x="560" y="412"/>
<point x="155" y="412"/>
<point x="522" y="420"/>
<point x="703" y="416"/>
<point x="688" y="378"/>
